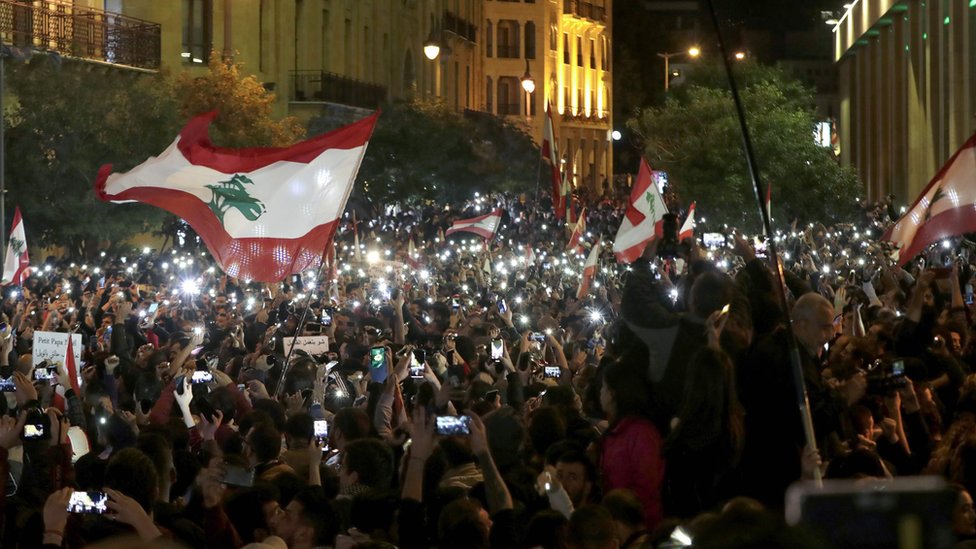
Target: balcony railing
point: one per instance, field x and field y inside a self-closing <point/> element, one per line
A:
<point x="79" y="31"/>
<point x="460" y="26"/>
<point x="508" y="108"/>
<point x="505" y="51"/>
<point x="587" y="10"/>
<point x="310" y="85"/>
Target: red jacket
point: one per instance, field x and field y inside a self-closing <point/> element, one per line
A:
<point x="631" y="457"/>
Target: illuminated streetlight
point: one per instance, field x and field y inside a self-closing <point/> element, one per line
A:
<point x="740" y="55"/>
<point x="432" y="47"/>
<point x="528" y="84"/>
<point x="693" y="51"/>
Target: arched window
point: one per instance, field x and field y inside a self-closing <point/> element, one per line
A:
<point x="489" y="95"/>
<point x="489" y="39"/>
<point x="508" y="39"/>
<point x="409" y="77"/>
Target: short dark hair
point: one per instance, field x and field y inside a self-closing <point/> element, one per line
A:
<point x="245" y="510"/>
<point x="591" y="527"/>
<point x="318" y="512"/>
<point x="353" y="423"/>
<point x="576" y="456"/>
<point x="624" y="507"/>
<point x="300" y="426"/>
<point x="460" y="526"/>
<point x="133" y="473"/>
<point x="371" y="460"/>
<point x="265" y="442"/>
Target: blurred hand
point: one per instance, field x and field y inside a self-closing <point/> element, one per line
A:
<point x="56" y="509"/>
<point x="207" y="428"/>
<point x="422" y="434"/>
<point x="128" y="511"/>
<point x="315" y="452"/>
<point x="184" y="399"/>
<point x="257" y="389"/>
<point x="10" y="430"/>
<point x="478" y="437"/>
<point x="25" y="390"/>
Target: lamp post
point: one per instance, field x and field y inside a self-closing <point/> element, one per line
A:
<point x="693" y="51"/>
<point x="432" y="50"/>
<point x="528" y="84"/>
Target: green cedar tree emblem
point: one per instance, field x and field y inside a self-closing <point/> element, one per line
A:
<point x="939" y="195"/>
<point x="233" y="194"/>
<point x="17" y="245"/>
<point x="650" y="203"/>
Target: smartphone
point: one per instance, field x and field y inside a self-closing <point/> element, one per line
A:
<point x="321" y="431"/>
<point x="377" y="364"/>
<point x="44" y="374"/>
<point x="456" y="302"/>
<point x="491" y="395"/>
<point x="552" y="372"/>
<point x="713" y="240"/>
<point x="235" y="475"/>
<point x="501" y="306"/>
<point x="7" y="385"/>
<point x="34" y="430"/>
<point x="538" y="336"/>
<point x="969" y="294"/>
<point x="898" y="368"/>
<point x="89" y="503"/>
<point x="146" y="405"/>
<point x="417" y="363"/>
<point x="201" y="376"/>
<point x="725" y="309"/>
<point x="497" y="349"/>
<point x="326" y="318"/>
<point x="453" y="426"/>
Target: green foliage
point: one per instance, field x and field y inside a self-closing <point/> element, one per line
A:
<point x="63" y="122"/>
<point x="695" y="137"/>
<point x="421" y="150"/>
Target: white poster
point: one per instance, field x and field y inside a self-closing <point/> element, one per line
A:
<point x="313" y="345"/>
<point x="52" y="346"/>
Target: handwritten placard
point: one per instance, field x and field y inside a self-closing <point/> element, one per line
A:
<point x="313" y="345"/>
<point x="52" y="347"/>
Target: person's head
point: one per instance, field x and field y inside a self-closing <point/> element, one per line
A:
<point x="160" y="451"/>
<point x="263" y="443"/>
<point x="308" y="521"/>
<point x="963" y="516"/>
<point x="546" y="529"/>
<point x="464" y="523"/>
<point x="577" y="474"/>
<point x="298" y="431"/>
<point x="546" y="427"/>
<point x="627" y="512"/>
<point x="592" y="527"/>
<point x="348" y="424"/>
<point x="624" y="391"/>
<point x="813" y="322"/>
<point x="133" y="473"/>
<point x="711" y="291"/>
<point x="252" y="510"/>
<point x="366" y="462"/>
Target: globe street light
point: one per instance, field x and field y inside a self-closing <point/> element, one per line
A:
<point x="740" y="55"/>
<point x="693" y="51"/>
<point x="432" y="47"/>
<point x="528" y="84"/>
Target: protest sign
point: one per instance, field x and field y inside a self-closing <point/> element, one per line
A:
<point x="313" y="345"/>
<point x="52" y="346"/>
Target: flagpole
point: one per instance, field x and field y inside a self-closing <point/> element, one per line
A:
<point x="803" y="400"/>
<point x="318" y="274"/>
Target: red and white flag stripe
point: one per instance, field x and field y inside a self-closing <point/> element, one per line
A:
<point x="688" y="227"/>
<point x="578" y="231"/>
<point x="484" y="226"/>
<point x="16" y="264"/>
<point x="643" y="220"/>
<point x="945" y="208"/>
<point x="264" y="213"/>
<point x="589" y="269"/>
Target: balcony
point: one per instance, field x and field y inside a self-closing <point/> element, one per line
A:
<point x="460" y="27"/>
<point x="507" y="51"/>
<point x="78" y="31"/>
<point x="320" y="86"/>
<point x="586" y="10"/>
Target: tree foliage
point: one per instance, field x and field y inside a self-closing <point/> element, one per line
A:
<point x="63" y="122"/>
<point x="695" y="137"/>
<point x="422" y="150"/>
<point x="244" y="107"/>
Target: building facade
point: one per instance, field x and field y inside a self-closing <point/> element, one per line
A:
<point x="908" y="89"/>
<point x="564" y="46"/>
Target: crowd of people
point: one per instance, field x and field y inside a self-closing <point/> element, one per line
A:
<point x="468" y="397"/>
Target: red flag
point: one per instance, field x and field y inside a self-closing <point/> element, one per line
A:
<point x="264" y="213"/>
<point x="769" y="197"/>
<point x="578" y="231"/>
<point x="945" y="208"/>
<point x="688" y="227"/>
<point x="643" y="220"/>
<point x="483" y="226"/>
<point x="589" y="269"/>
<point x="550" y="153"/>
<point x="69" y="365"/>
<point x="16" y="266"/>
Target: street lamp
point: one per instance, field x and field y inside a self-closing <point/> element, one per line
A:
<point x="740" y="55"/>
<point x="693" y="51"/>
<point x="528" y="84"/>
<point x="432" y="46"/>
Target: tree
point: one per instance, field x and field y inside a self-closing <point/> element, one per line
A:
<point x="422" y="150"/>
<point x="64" y="121"/>
<point x="695" y="138"/>
<point x="244" y="107"/>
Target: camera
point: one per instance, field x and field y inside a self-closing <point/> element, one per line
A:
<point x="38" y="425"/>
<point x="885" y="378"/>
<point x="453" y="426"/>
<point x="92" y="503"/>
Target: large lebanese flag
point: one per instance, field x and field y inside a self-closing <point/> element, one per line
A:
<point x="551" y="154"/>
<point x="589" y="269"/>
<point x="945" y="208"/>
<point x="16" y="264"/>
<point x="643" y="220"/>
<point x="483" y="226"/>
<point x="264" y="213"/>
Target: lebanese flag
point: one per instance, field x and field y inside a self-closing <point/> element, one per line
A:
<point x="551" y="154"/>
<point x="643" y="220"/>
<point x="688" y="227"/>
<point x="69" y="365"/>
<point x="264" y="213"/>
<point x="578" y="231"/>
<point x="529" y="254"/>
<point x="16" y="264"/>
<point x="945" y="208"/>
<point x="412" y="255"/>
<point x="589" y="269"/>
<point x="483" y="226"/>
